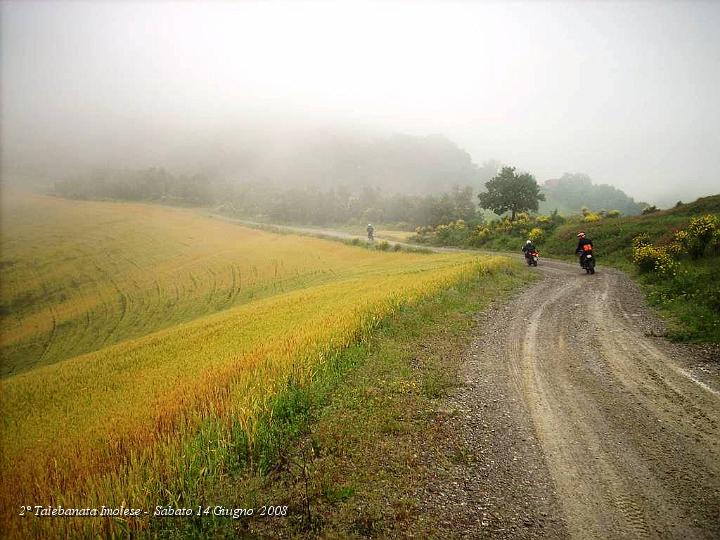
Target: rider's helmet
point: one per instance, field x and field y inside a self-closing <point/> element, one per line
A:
<point x="369" y="224"/>
<point x="529" y="242"/>
<point x="581" y="234"/>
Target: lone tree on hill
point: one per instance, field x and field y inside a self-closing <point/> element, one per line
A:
<point x="510" y="192"/>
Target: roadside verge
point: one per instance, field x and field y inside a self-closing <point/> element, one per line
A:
<point x="343" y="457"/>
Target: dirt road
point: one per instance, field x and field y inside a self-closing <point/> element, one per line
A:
<point x="628" y="424"/>
<point x="583" y="424"/>
<point x="631" y="435"/>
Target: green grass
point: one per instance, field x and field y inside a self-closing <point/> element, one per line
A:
<point x="689" y="300"/>
<point x="613" y="237"/>
<point x="147" y="419"/>
<point x="345" y="440"/>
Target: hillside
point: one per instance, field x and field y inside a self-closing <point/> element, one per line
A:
<point x="80" y="276"/>
<point x="140" y="336"/>
<point x="571" y="192"/>
<point x="689" y="295"/>
<point x="614" y="236"/>
<point x="406" y="164"/>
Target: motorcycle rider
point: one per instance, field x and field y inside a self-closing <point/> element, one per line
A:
<point x="584" y="246"/>
<point x="529" y="248"/>
<point x="370" y="231"/>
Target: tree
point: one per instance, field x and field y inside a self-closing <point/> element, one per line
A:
<point x="573" y="191"/>
<point x="511" y="192"/>
<point x="462" y="199"/>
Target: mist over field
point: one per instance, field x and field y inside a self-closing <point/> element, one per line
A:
<point x="359" y="269"/>
<point x="353" y="93"/>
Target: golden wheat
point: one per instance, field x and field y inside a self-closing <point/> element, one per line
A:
<point x="117" y="424"/>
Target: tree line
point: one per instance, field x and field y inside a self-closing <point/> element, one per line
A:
<point x="264" y="201"/>
<point x="508" y="192"/>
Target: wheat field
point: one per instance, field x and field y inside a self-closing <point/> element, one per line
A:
<point x="130" y="332"/>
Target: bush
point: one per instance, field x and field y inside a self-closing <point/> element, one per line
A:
<point x="648" y="258"/>
<point x="715" y="242"/>
<point x="642" y="239"/>
<point x="536" y="234"/>
<point x="703" y="227"/>
<point x="613" y="214"/>
<point x="701" y="232"/>
<point x="698" y="235"/>
<point x="591" y="217"/>
<point x="479" y="236"/>
<point x="545" y="222"/>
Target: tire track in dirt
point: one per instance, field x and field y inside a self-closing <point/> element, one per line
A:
<point x="631" y="443"/>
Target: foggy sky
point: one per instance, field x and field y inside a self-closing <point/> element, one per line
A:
<point x="624" y="92"/>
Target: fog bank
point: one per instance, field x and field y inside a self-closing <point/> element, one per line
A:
<point x="624" y="92"/>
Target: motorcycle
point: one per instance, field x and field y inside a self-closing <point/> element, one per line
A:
<point x="587" y="262"/>
<point x="531" y="257"/>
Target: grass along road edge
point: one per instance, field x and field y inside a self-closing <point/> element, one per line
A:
<point x="338" y="452"/>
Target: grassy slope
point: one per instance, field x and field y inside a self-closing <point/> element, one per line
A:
<point x="128" y="421"/>
<point x="690" y="301"/>
<point x="614" y="236"/>
<point x="341" y="458"/>
<point x="80" y="276"/>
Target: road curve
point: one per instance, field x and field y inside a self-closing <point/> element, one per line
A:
<point x="627" y="424"/>
<point x="630" y="435"/>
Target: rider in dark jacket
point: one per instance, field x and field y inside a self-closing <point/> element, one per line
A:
<point x="528" y="248"/>
<point x="581" y="249"/>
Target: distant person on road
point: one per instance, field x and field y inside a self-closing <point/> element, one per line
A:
<point x="370" y="231"/>
<point x="584" y="246"/>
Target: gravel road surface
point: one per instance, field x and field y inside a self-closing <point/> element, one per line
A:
<point x="574" y="420"/>
<point x="585" y="424"/>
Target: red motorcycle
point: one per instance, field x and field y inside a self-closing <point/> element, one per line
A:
<point x="532" y="258"/>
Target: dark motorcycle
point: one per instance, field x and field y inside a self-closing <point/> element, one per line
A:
<point x="587" y="261"/>
<point x="531" y="257"/>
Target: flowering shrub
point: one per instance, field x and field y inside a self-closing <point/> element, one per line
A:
<point x="715" y="242"/>
<point x="703" y="227"/>
<point x="591" y="217"/>
<point x="536" y="234"/>
<point x="641" y="240"/>
<point x="697" y="236"/>
<point x="481" y="232"/>
<point x="648" y="258"/>
<point x="459" y="225"/>
<point x="460" y="233"/>
<point x="479" y="236"/>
